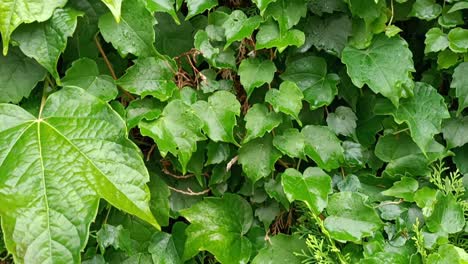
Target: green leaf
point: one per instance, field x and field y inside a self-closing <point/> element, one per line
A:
<point x="286" y="99"/>
<point x="423" y="113"/>
<point x="323" y="147"/>
<point x="173" y="39"/>
<point x="84" y="73"/>
<point x="150" y="76"/>
<point x="255" y="72"/>
<point x="426" y="9"/>
<point x="436" y="40"/>
<point x="15" y="13"/>
<point x="217" y="153"/>
<point x="367" y="10"/>
<point x="405" y="189"/>
<point x="238" y="26"/>
<point x="446" y="59"/>
<point x="458" y="6"/>
<point x="455" y="130"/>
<point x="312" y="187"/>
<point x="267" y="214"/>
<point x="342" y="121"/>
<point x="57" y="167"/>
<point x="290" y="142"/>
<point x="115" y="236"/>
<point x="219" y="116"/>
<point x="159" y="203"/>
<point x="350" y="217"/>
<point x="447" y="215"/>
<point x="448" y="254"/>
<point x="196" y="7"/>
<point x="146" y="108"/>
<point x="281" y="249"/>
<point x="270" y="36"/>
<point x="286" y="12"/>
<point x="166" y="6"/>
<point x="458" y="40"/>
<point x="177" y="131"/>
<point x="258" y="158"/>
<point x="18" y="76"/>
<point x="218" y="225"/>
<point x="260" y="121"/>
<point x="310" y="74"/>
<point x="46" y="41"/>
<point x="460" y="84"/>
<point x="385" y="66"/>
<point x="163" y="249"/>
<point x="327" y="33"/>
<point x="134" y="33"/>
<point x="114" y="6"/>
<point x="263" y="4"/>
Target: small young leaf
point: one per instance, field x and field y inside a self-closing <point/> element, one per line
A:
<point x="259" y="121"/>
<point x="238" y="26"/>
<point x="436" y="40"/>
<point x="405" y="188"/>
<point x="84" y="73"/>
<point x="219" y="115"/>
<point x="134" y="34"/>
<point x="258" y="158"/>
<point x="350" y="218"/>
<point x="219" y="225"/>
<point x="286" y="12"/>
<point x="287" y="99"/>
<point x="323" y="147"/>
<point x="426" y="9"/>
<point x="312" y="187"/>
<point x="270" y="36"/>
<point x="458" y="40"/>
<point x="255" y="72"/>
<point x="150" y="76"/>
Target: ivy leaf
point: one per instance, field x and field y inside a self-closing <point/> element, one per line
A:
<point x="166" y="6"/>
<point x="258" y="157"/>
<point x="286" y="12"/>
<point x="310" y="74"/>
<point x="219" y="115"/>
<point x="423" y="113"/>
<point x="77" y="139"/>
<point x="116" y="236"/>
<point x="163" y="249"/>
<point x="460" y="84"/>
<point x="196" y="7"/>
<point x="46" y="41"/>
<point x="458" y="40"/>
<point x="290" y="142"/>
<point x="218" y="225"/>
<point x="134" y="33"/>
<point x="15" y="13"/>
<point x="255" y="72"/>
<point x="150" y="76"/>
<point x="270" y="36"/>
<point x="259" y="121"/>
<point x="447" y="215"/>
<point x="238" y="26"/>
<point x="18" y="76"/>
<point x="448" y="253"/>
<point x="436" y="40"/>
<point x="114" y="6"/>
<point x="146" y="108"/>
<point x="350" y="217"/>
<point x="263" y="4"/>
<point x="177" y="131"/>
<point x="173" y="39"/>
<point x="342" y="121"/>
<point x="385" y="66"/>
<point x="281" y="249"/>
<point x="328" y="33"/>
<point x="286" y="99"/>
<point x="323" y="147"/>
<point x="367" y="10"/>
<point x="405" y="189"/>
<point x="84" y="73"/>
<point x="426" y="9"/>
<point x="313" y="187"/>
<point x="455" y="131"/>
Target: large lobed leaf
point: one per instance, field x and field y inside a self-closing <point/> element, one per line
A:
<point x="56" y="167"/>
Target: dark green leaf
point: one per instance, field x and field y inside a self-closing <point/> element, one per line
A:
<point x="255" y="72"/>
<point x="323" y="147"/>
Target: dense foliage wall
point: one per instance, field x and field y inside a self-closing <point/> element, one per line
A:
<point x="234" y="131"/>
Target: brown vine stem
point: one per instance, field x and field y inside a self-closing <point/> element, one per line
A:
<point x="231" y="163"/>
<point x="167" y="172"/>
<point x="189" y="191"/>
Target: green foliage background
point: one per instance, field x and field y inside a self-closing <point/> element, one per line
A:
<point x="234" y="131"/>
